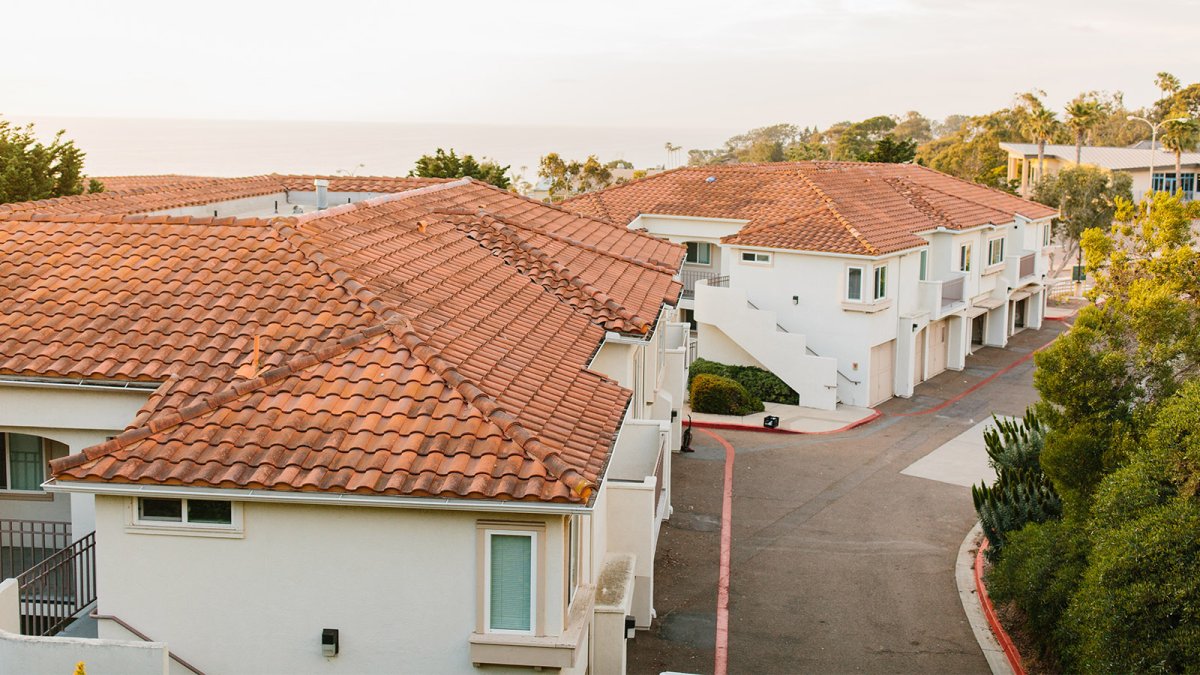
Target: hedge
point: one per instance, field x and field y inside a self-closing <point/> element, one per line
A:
<point x="763" y="384"/>
<point x="721" y="396"/>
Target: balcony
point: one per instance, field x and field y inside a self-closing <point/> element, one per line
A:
<point x="691" y="276"/>
<point x="1021" y="270"/>
<point x="943" y="297"/>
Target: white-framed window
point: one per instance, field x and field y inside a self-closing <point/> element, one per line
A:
<point x="510" y="588"/>
<point x="699" y="253"/>
<point x="573" y="546"/>
<point x="924" y="274"/>
<point x="25" y="461"/>
<point x="881" y="282"/>
<point x="1046" y="234"/>
<point x="854" y="283"/>
<point x="964" y="258"/>
<point x="185" y="516"/>
<point x="756" y="257"/>
<point x="995" y="251"/>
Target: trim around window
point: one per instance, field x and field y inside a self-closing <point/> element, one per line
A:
<point x="755" y="258"/>
<point x="486" y="532"/>
<point x="184" y="517"/>
<point x="995" y="251"/>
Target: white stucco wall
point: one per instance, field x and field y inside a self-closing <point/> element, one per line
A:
<point x="399" y="584"/>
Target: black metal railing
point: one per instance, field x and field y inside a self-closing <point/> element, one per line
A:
<point x="25" y="543"/>
<point x="54" y="591"/>
<point x="690" y="277"/>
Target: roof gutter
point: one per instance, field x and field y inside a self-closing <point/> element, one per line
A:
<point x="313" y="498"/>
<point x="78" y="383"/>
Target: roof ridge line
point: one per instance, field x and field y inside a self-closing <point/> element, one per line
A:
<point x="628" y="183"/>
<point x="974" y="184"/>
<point x="910" y="194"/>
<point x="828" y="201"/>
<point x="527" y="441"/>
<point x="377" y="201"/>
<point x="561" y="271"/>
<point x="645" y="264"/>
<point x="232" y="392"/>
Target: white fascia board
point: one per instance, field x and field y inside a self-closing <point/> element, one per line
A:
<point x="967" y="230"/>
<point x="824" y="254"/>
<point x="731" y="221"/>
<point x="80" y="384"/>
<point x="312" y="498"/>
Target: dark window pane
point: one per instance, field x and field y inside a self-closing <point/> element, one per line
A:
<point x="161" y="509"/>
<point x="207" y="511"/>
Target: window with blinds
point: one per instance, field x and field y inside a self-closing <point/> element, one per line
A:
<point x="511" y="573"/>
<point x="24" y="462"/>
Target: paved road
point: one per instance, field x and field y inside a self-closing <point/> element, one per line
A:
<point x="840" y="563"/>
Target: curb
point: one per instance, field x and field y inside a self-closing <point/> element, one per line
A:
<point x="968" y="593"/>
<point x="728" y="426"/>
<point x="1006" y="643"/>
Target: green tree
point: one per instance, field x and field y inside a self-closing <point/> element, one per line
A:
<point x="1086" y="197"/>
<point x="31" y="170"/>
<point x="449" y="165"/>
<point x="1083" y="114"/>
<point x="1038" y="123"/>
<point x="1180" y="136"/>
<point x="973" y="152"/>
<point x="860" y="138"/>
<point x="891" y="151"/>
<point x="915" y="127"/>
<point x="570" y="177"/>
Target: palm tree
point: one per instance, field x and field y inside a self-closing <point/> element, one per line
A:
<point x="1040" y="123"/>
<point x="1084" y="113"/>
<point x="1180" y="135"/>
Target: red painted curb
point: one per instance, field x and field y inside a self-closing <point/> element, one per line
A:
<point x="746" y="427"/>
<point x="1006" y="643"/>
<point x="721" y="661"/>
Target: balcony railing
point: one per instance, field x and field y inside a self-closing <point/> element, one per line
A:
<point x="1028" y="265"/>
<point x="690" y="277"/>
<point x="952" y="292"/>
<point x="54" y="591"/>
<point x="25" y="543"/>
<point x="661" y="485"/>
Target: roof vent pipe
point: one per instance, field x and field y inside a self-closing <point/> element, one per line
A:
<point x="322" y="193"/>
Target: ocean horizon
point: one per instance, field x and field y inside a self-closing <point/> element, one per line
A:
<point x="127" y="146"/>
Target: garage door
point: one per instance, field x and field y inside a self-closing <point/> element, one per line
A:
<point x="939" y="346"/>
<point x="882" y="359"/>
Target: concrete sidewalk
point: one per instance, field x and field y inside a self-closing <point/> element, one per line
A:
<point x="792" y="418"/>
<point x="961" y="461"/>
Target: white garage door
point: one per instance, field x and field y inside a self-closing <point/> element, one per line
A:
<point x="939" y="346"/>
<point x="883" y="357"/>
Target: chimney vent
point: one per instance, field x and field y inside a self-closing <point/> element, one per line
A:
<point x="322" y="193"/>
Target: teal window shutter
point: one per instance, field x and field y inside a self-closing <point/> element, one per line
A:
<point x="25" y="462"/>
<point x="511" y="582"/>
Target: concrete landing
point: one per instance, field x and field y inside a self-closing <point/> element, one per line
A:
<point x="792" y="418"/>
<point x="961" y="461"/>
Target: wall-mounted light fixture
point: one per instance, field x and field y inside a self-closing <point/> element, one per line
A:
<point x="329" y="642"/>
<point x="795" y="299"/>
<point x="630" y="627"/>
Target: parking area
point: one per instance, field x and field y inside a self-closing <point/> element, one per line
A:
<point x="840" y="562"/>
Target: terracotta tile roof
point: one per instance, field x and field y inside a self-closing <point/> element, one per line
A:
<point x="412" y="345"/>
<point x="145" y="194"/>
<point x="838" y="207"/>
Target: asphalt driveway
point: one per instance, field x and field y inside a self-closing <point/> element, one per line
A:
<point x="840" y="563"/>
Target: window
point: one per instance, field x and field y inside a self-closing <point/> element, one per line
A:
<point x="510" y="595"/>
<point x="192" y="512"/>
<point x="995" y="251"/>
<point x="1046" y="235"/>
<point x="924" y="265"/>
<point x="24" y="460"/>
<point x="964" y="258"/>
<point x="572" y="557"/>
<point x="699" y="253"/>
<point x="756" y="257"/>
<point x="854" y="283"/>
<point x="880" y="282"/>
<point x="1165" y="182"/>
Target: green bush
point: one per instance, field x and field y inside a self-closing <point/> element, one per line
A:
<point x="722" y="396"/>
<point x="1138" y="607"/>
<point x="763" y="384"/>
<point x="1040" y="571"/>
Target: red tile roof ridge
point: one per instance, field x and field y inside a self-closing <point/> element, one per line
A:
<point x="978" y="185"/>
<point x="652" y="265"/>
<point x="830" y="205"/>
<point x="237" y="390"/>
<point x="376" y="201"/>
<point x="131" y="219"/>
<point x="619" y="186"/>
<point x="909" y="191"/>
<point x="505" y="229"/>
<point x="486" y="404"/>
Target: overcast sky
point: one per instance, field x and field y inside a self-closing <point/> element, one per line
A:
<point x="694" y="64"/>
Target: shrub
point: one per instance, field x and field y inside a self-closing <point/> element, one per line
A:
<point x="1040" y="572"/>
<point x="763" y="384"/>
<point x="722" y="396"/>
<point x="1022" y="493"/>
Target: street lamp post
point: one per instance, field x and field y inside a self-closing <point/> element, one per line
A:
<point x="1154" y="139"/>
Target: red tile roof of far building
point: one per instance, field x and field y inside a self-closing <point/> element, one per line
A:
<point x="429" y="343"/>
<point x="836" y="207"/>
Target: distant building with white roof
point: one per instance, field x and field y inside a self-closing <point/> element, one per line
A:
<point x="1136" y="161"/>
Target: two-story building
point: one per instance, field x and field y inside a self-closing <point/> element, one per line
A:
<point x="1149" y="169"/>
<point x="852" y="282"/>
<point x="427" y="431"/>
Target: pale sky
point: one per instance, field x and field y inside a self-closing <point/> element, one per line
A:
<point x="694" y="64"/>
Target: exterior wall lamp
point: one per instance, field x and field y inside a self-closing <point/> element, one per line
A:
<point x="329" y="642"/>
